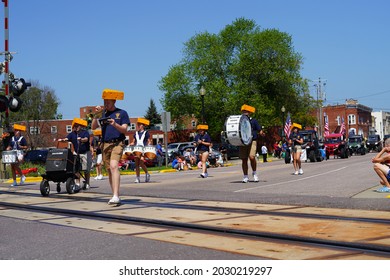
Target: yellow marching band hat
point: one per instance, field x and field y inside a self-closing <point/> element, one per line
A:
<point x="248" y="108"/>
<point x="112" y="94"/>
<point x="79" y="122"/>
<point x="202" y="127"/>
<point x="97" y="132"/>
<point x="297" y="125"/>
<point x="143" y="121"/>
<point x="19" y="127"/>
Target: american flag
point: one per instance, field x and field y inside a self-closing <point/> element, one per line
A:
<point x="287" y="126"/>
<point x="326" y="127"/>
<point x="342" y="128"/>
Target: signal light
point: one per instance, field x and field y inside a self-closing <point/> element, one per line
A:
<point x="18" y="86"/>
<point x="3" y="103"/>
<point x="14" y="103"/>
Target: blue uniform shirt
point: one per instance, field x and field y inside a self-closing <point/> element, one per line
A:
<point x="84" y="146"/>
<point x="16" y="142"/>
<point x="204" y="138"/>
<point x="140" y="136"/>
<point x="256" y="128"/>
<point x="109" y="132"/>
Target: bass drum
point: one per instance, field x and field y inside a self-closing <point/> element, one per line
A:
<point x="238" y="130"/>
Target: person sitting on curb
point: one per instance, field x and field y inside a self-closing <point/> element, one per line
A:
<point x="382" y="167"/>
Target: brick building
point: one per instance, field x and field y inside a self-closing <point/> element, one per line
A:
<point x="357" y="118"/>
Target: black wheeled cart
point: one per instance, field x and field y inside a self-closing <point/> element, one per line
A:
<point x="61" y="167"/>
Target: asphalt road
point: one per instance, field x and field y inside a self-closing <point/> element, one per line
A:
<point x="336" y="183"/>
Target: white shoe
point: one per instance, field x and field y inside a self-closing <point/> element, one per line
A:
<point x="300" y="172"/>
<point x="255" y="178"/>
<point x="114" y="201"/>
<point x="137" y="180"/>
<point x="296" y="173"/>
<point x="22" y="179"/>
<point x="147" y="177"/>
<point x="245" y="180"/>
<point x="100" y="177"/>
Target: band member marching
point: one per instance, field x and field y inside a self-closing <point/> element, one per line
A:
<point x="141" y="138"/>
<point x="17" y="143"/>
<point x="114" y="123"/>
<point x="203" y="144"/>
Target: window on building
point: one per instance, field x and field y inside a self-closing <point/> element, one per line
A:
<point x="34" y="130"/>
<point x="338" y="119"/>
<point x="68" y="129"/>
<point x="193" y="123"/>
<point x="352" y="131"/>
<point x="351" y="119"/>
<point x="54" y="129"/>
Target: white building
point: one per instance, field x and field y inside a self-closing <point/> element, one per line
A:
<point x="381" y="123"/>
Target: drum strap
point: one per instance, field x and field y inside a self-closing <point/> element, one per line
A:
<point x="140" y="141"/>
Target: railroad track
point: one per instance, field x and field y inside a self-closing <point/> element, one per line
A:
<point x="266" y="231"/>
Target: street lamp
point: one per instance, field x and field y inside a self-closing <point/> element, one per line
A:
<point x="283" y="110"/>
<point x="202" y="94"/>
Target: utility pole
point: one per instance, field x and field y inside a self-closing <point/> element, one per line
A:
<point x="320" y="98"/>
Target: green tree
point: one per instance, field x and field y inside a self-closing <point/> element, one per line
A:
<point x="242" y="64"/>
<point x="39" y="104"/>
<point x="152" y="115"/>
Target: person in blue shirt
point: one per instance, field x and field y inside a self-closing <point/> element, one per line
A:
<point x="249" y="152"/>
<point x="202" y="142"/>
<point x="114" y="123"/>
<point x="159" y="154"/>
<point x="79" y="137"/>
<point x="141" y="138"/>
<point x="17" y="143"/>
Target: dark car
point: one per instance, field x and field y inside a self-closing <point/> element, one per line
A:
<point x="36" y="156"/>
<point x="374" y="143"/>
<point x="356" y="145"/>
<point x="312" y="145"/>
<point x="232" y="151"/>
<point x="386" y="137"/>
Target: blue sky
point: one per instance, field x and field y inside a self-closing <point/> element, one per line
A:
<point x="80" y="47"/>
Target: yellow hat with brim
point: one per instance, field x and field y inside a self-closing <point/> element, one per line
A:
<point x="143" y="121"/>
<point x="79" y="122"/>
<point x="97" y="132"/>
<point x="19" y="127"/>
<point x="113" y="94"/>
<point x="297" y="125"/>
<point x="248" y="108"/>
<point x="202" y="127"/>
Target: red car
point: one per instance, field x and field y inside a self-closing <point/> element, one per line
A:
<point x="336" y="145"/>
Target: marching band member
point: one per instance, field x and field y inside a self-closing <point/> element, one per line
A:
<point x="18" y="143"/>
<point x="79" y="137"/>
<point x="203" y="144"/>
<point x="141" y="138"/>
<point x="114" y="123"/>
<point x="249" y="151"/>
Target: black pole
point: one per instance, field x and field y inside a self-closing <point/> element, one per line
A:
<point x="282" y="125"/>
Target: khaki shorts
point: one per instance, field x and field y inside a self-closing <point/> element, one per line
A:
<point x="112" y="151"/>
<point x="297" y="149"/>
<point x="248" y="151"/>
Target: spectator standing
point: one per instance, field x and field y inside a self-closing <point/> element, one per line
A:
<point x="264" y="152"/>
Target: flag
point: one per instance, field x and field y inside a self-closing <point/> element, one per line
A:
<point x="326" y="127"/>
<point x="342" y="128"/>
<point x="287" y="126"/>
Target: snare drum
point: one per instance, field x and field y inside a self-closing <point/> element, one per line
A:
<point x="138" y="151"/>
<point x="238" y="130"/>
<point x="150" y="152"/>
<point x="9" y="156"/>
<point x="128" y="150"/>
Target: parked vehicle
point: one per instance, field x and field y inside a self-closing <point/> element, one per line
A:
<point x="36" y="156"/>
<point x="336" y="146"/>
<point x="174" y="148"/>
<point x="312" y="145"/>
<point x="232" y="151"/>
<point x="374" y="143"/>
<point x="356" y="145"/>
<point x="385" y="137"/>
